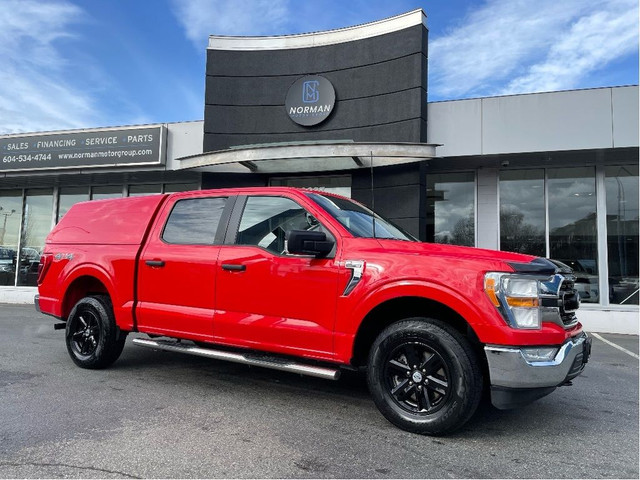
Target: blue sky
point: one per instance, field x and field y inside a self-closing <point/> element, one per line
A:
<point x="79" y="64"/>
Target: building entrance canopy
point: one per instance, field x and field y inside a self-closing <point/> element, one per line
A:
<point x="308" y="157"/>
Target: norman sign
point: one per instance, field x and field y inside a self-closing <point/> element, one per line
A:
<point x="131" y="146"/>
<point x="310" y="100"/>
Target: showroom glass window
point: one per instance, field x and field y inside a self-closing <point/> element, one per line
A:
<point x="144" y="190"/>
<point x="103" y="193"/>
<point x="573" y="237"/>
<point x="10" y="215"/>
<point x="180" y="187"/>
<point x="451" y="208"/>
<point x="69" y="196"/>
<point x="621" y="184"/>
<point x="522" y="212"/>
<point x="36" y="225"/>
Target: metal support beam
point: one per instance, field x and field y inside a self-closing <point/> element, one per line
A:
<point x="358" y="161"/>
<point x="250" y="165"/>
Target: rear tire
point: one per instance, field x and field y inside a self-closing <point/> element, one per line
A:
<point x="424" y="376"/>
<point x="92" y="336"/>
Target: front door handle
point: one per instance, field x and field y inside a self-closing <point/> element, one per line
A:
<point x="234" y="267"/>
<point x="155" y="263"/>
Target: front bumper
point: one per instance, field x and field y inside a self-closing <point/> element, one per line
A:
<point x="514" y="379"/>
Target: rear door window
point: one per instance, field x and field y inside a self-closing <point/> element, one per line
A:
<point x="194" y="221"/>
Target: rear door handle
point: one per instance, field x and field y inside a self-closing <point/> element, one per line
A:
<point x="155" y="263"/>
<point x="234" y="267"/>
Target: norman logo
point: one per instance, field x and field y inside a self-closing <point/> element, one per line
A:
<point x="310" y="91"/>
<point x="310" y="100"/>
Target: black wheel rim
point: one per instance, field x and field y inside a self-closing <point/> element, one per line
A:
<point x="85" y="334"/>
<point x="417" y="378"/>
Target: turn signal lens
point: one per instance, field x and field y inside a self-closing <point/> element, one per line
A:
<point x="522" y="302"/>
<point x="490" y="288"/>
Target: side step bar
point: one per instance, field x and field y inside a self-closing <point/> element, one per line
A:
<point x="257" y="360"/>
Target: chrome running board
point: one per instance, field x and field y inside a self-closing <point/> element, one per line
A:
<point x="254" y="359"/>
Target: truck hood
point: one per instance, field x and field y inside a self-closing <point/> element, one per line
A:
<point x="516" y="261"/>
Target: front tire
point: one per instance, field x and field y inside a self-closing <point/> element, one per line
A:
<point x="93" y="339"/>
<point x="424" y="376"/>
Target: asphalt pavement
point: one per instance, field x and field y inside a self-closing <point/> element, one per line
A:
<point x="160" y="414"/>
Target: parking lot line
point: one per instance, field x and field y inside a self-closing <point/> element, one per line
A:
<point x="614" y="345"/>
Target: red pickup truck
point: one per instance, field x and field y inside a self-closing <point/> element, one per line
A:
<point x="310" y="282"/>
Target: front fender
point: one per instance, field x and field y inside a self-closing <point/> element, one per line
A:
<point x="468" y="308"/>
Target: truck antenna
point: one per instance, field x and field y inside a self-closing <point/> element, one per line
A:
<point x="373" y="205"/>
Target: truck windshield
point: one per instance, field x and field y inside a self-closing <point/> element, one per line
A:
<point x="358" y="220"/>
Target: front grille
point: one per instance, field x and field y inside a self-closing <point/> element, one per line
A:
<point x="569" y="301"/>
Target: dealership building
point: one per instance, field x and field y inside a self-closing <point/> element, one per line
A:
<point x="551" y="174"/>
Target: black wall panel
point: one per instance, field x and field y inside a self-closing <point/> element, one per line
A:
<point x="305" y="61"/>
<point x="232" y="180"/>
<point x="405" y="131"/>
<point x="380" y="84"/>
<point x="399" y="194"/>
<point x="384" y="177"/>
<point x="356" y="113"/>
<point x="357" y="82"/>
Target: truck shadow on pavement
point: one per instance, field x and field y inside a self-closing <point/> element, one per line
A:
<point x="547" y="417"/>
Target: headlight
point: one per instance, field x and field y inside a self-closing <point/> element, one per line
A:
<point x="516" y="297"/>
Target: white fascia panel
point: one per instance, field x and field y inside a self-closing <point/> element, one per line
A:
<point x="625" y="116"/>
<point x="457" y="126"/>
<point x="316" y="39"/>
<point x="573" y="120"/>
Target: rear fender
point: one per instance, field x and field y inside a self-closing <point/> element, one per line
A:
<point x="122" y="308"/>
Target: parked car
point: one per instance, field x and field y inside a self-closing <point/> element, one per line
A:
<point x="586" y="273"/>
<point x="7" y="260"/>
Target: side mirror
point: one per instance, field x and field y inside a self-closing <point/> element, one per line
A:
<point x="302" y="242"/>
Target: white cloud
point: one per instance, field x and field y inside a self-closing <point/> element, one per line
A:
<point x="590" y="44"/>
<point x="201" y="18"/>
<point x="36" y="92"/>
<point x="515" y="46"/>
